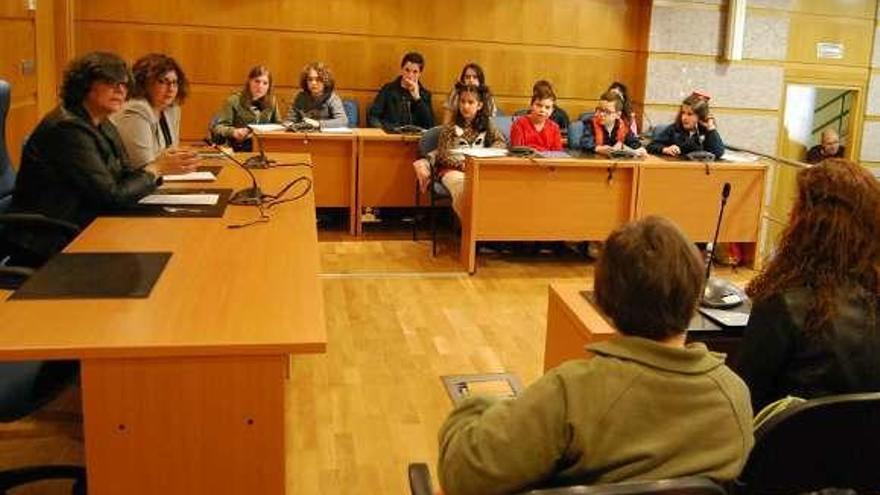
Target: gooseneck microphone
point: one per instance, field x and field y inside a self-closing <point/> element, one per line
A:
<point x="719" y="293"/>
<point x="252" y="196"/>
<point x="261" y="160"/>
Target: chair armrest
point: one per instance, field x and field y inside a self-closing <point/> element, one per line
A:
<point x="39" y="220"/>
<point x="420" y="479"/>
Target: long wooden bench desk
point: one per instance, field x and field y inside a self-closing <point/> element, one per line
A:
<point x="580" y="199"/>
<point x="184" y="391"/>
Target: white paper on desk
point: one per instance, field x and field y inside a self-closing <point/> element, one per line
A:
<point x="554" y="154"/>
<point x="267" y="127"/>
<point x="483" y="152"/>
<point x="194" y="176"/>
<point x="336" y="130"/>
<point x="738" y="157"/>
<point x="180" y="199"/>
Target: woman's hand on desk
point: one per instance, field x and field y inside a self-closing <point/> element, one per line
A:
<point x="672" y="150"/>
<point x="174" y="162"/>
<point x="241" y="133"/>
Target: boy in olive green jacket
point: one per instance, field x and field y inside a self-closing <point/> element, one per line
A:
<point x="645" y="406"/>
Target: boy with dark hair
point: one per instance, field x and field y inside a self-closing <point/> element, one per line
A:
<point x="645" y="406"/>
<point x="404" y="101"/>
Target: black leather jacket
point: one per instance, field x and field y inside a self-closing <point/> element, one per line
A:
<point x="777" y="358"/>
<point x="394" y="106"/>
<point x="71" y="170"/>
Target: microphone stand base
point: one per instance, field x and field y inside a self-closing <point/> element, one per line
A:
<point x="251" y="196"/>
<point x="258" y="162"/>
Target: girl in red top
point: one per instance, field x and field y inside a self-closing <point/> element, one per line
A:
<point x="536" y="130"/>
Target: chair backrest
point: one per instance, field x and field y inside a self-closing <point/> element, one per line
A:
<point x="428" y="141"/>
<point x="351" y="111"/>
<point x="692" y="485"/>
<point x="503" y="124"/>
<point x="7" y="173"/>
<point x="832" y="442"/>
<point x="586" y="115"/>
<point x="575" y="132"/>
<point x="658" y="129"/>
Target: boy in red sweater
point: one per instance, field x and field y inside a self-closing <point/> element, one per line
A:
<point x="535" y="129"/>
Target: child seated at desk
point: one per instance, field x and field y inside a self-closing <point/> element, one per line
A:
<point x="254" y="104"/>
<point x="470" y="128"/>
<point x="694" y="130"/>
<point x="607" y="130"/>
<point x="536" y="129"/>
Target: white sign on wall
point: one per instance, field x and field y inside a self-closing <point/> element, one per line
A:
<point x="829" y="50"/>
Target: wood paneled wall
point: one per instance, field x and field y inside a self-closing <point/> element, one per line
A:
<point x="579" y="45"/>
<point x="17" y="44"/>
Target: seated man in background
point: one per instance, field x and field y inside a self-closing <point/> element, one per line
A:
<point x="645" y="406"/>
<point x="404" y="101"/>
<point x="829" y="147"/>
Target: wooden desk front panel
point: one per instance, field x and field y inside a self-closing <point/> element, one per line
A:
<point x="180" y="426"/>
<point x="545" y="202"/>
<point x="385" y="172"/>
<point x="333" y="161"/>
<point x="684" y="193"/>
<point x="572" y="323"/>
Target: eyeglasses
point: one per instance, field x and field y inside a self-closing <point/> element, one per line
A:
<point x="168" y="82"/>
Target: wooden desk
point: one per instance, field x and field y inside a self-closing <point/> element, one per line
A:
<point x="565" y="199"/>
<point x="184" y="391"/>
<point x="385" y="172"/>
<point x="573" y="322"/>
<point x="684" y="193"/>
<point x="334" y="157"/>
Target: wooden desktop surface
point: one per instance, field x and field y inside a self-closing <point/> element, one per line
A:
<point x="254" y="289"/>
<point x="184" y="391"/>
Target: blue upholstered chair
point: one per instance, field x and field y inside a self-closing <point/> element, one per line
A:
<point x="26" y="386"/>
<point x="437" y="192"/>
<point x="351" y="111"/>
<point x="575" y="132"/>
<point x="503" y="124"/>
<point x="420" y="484"/>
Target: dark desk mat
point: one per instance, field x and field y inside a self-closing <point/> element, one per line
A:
<point x="183" y="211"/>
<point x="95" y="276"/>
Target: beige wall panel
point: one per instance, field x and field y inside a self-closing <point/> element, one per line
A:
<point x="849" y="8"/>
<point x="702" y="36"/>
<point x="613" y="24"/>
<point x="773" y="4"/>
<point x="871" y="142"/>
<point x="873" y="107"/>
<point x="737" y="85"/>
<point x="766" y="36"/>
<point x="855" y="34"/>
<point x="17" y="43"/>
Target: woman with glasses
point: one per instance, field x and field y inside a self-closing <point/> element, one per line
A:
<point x="149" y="124"/>
<point x="74" y="165"/>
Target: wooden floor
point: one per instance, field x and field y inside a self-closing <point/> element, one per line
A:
<point x="398" y="320"/>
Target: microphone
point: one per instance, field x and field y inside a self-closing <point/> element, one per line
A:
<point x="261" y="160"/>
<point x="252" y="196"/>
<point x="717" y="292"/>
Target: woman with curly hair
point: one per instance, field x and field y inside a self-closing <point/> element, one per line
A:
<point x="150" y="122"/>
<point x="814" y="330"/>
<point x="317" y="103"/>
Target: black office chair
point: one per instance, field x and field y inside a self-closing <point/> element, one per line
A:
<point x="28" y="385"/>
<point x="420" y="484"/>
<point x="831" y="442"/>
<point x="437" y="192"/>
<point x="12" y="276"/>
